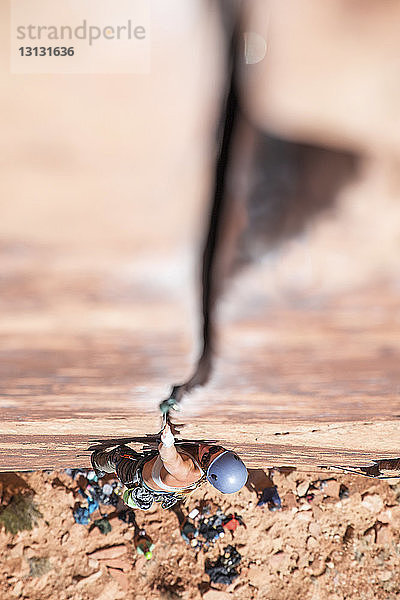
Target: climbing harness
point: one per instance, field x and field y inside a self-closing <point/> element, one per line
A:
<point x="139" y="495"/>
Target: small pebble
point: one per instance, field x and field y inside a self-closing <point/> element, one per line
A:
<point x="93" y="563"/>
<point x="302" y="489"/>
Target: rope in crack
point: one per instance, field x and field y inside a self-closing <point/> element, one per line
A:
<point x="266" y="190"/>
<point x="219" y="245"/>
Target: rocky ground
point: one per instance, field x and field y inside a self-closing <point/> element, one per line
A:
<point x="336" y="537"/>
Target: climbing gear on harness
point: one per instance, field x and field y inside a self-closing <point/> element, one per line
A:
<point x="227" y="473"/>
<point x="138" y="497"/>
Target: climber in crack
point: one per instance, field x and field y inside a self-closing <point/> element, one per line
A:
<point x="174" y="471"/>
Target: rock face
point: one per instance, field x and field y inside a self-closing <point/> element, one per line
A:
<point x="328" y="72"/>
<point x="216" y="595"/>
<point x="120" y="577"/>
<point x="373" y="502"/>
<point x="109" y="553"/>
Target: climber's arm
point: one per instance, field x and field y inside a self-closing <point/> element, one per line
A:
<point x="173" y="462"/>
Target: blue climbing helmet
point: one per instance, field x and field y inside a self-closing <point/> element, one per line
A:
<point x="227" y="473"/>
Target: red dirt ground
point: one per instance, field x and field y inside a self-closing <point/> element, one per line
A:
<point x="323" y="547"/>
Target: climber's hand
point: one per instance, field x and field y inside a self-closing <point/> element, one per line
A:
<point x="167" y="438"/>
